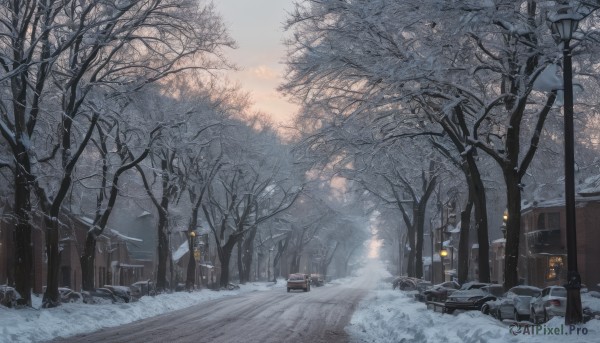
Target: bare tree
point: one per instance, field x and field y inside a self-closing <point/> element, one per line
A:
<point x="61" y="53"/>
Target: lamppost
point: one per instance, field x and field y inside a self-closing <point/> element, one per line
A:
<point x="564" y="23"/>
<point x="443" y="254"/>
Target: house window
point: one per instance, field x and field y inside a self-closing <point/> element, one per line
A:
<point x="553" y="220"/>
<point x="548" y="221"/>
<point x="555" y="266"/>
<point x="541" y="224"/>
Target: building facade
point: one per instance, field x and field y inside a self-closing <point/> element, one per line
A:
<point x="543" y="253"/>
<point x="113" y="264"/>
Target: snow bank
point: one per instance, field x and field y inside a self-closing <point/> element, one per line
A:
<point x="34" y="325"/>
<point x="390" y="316"/>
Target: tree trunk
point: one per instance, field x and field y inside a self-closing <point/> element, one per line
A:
<point x="513" y="228"/>
<point x="248" y="252"/>
<point x="51" y="296"/>
<point x="87" y="261"/>
<point x="225" y="257"/>
<point x="463" y="243"/>
<point x="295" y="262"/>
<point x="163" y="248"/>
<point x="410" y="268"/>
<point x="240" y="263"/>
<point x="419" y="252"/>
<point x="401" y="247"/>
<point x="281" y="247"/>
<point x="481" y="222"/>
<point x="23" y="232"/>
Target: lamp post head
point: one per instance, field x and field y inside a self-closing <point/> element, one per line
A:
<point x="193" y="234"/>
<point x="443" y="253"/>
<point x="565" y="22"/>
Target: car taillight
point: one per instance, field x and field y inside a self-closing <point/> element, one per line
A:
<point x="555" y="302"/>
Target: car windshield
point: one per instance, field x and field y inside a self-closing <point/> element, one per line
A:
<point x="468" y="286"/>
<point x="525" y="291"/>
<point x="558" y="292"/>
<point x="496" y="290"/>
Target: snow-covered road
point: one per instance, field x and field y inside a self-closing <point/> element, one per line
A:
<point x="273" y="316"/>
<point x="360" y="309"/>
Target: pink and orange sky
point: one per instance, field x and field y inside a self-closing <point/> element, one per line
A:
<point x="257" y="27"/>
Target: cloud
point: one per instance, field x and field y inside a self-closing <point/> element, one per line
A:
<point x="264" y="72"/>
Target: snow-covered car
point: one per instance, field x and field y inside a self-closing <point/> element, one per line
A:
<point x="100" y="296"/>
<point x="122" y="292"/>
<point x="515" y="304"/>
<point x="441" y="291"/>
<point x="9" y="296"/>
<point x="317" y="280"/>
<point x="298" y="281"/>
<point x="141" y="288"/>
<point x="68" y="295"/>
<point x="472" y="299"/>
<point x="405" y="283"/>
<point x="552" y="301"/>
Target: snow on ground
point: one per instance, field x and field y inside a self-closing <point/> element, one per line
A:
<point x="387" y="315"/>
<point x="35" y="324"/>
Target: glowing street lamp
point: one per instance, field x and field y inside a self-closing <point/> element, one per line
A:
<point x="443" y="253"/>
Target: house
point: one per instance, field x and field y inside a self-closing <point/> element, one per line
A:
<point x="113" y="265"/>
<point x="543" y="254"/>
<point x="205" y="254"/>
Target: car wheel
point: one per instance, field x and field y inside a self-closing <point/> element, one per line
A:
<point x="485" y="309"/>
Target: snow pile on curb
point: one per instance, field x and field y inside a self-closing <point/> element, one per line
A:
<point x="34" y="325"/>
<point x="390" y="316"/>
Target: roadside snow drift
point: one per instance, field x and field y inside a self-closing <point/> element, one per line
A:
<point x="35" y="325"/>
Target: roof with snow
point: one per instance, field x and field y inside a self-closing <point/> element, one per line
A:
<point x="182" y="250"/>
<point x="587" y="191"/>
<point x="108" y="231"/>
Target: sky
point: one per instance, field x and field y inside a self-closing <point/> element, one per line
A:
<point x="257" y="27"/>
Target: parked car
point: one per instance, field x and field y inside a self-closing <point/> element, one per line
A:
<point x="298" y="281"/>
<point x="9" y="296"/>
<point x="441" y="291"/>
<point x="141" y="288"/>
<point x="422" y="286"/>
<point x="405" y="283"/>
<point x="473" y="285"/>
<point x="552" y="301"/>
<point x="472" y="299"/>
<point x="68" y="295"/>
<point x="514" y="304"/>
<point x="317" y="280"/>
<point x="100" y="296"/>
<point x="123" y="292"/>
